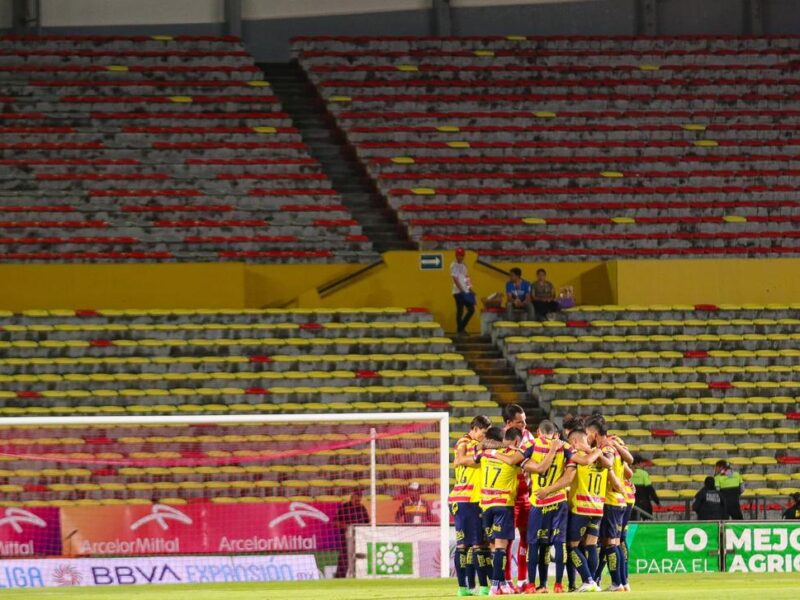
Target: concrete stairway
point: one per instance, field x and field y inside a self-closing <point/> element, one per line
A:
<point x="329" y="146"/>
<point x="496" y="373"/>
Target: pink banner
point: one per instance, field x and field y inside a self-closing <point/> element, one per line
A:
<point x="29" y="532"/>
<point x="200" y="528"/>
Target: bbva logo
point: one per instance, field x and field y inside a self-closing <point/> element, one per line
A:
<point x="161" y="513"/>
<point x="299" y="511"/>
<point x="16" y="516"/>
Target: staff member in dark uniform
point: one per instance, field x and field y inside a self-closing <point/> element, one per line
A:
<point x="709" y="503"/>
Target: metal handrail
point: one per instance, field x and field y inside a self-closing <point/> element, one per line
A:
<point x="328" y="288"/>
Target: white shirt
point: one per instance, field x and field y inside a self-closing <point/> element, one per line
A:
<point x="459" y="271"/>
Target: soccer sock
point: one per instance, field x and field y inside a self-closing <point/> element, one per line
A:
<point x="533" y="560"/>
<point x="507" y="568"/>
<point x="578" y="560"/>
<point x="622" y="557"/>
<point x="460" y="560"/>
<point x="522" y="560"/>
<point x="571" y="571"/>
<point x="623" y="550"/>
<point x="470" y="569"/>
<point x="592" y="558"/>
<point x="483" y="565"/>
<point x="612" y="555"/>
<point x="544" y="564"/>
<point x="598" y="574"/>
<point x="499" y="567"/>
<point x="560" y="555"/>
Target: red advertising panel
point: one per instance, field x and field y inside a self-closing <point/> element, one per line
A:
<point x="200" y="528"/>
<point x="29" y="532"/>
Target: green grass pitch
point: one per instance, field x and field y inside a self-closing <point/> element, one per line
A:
<point x="666" y="587"/>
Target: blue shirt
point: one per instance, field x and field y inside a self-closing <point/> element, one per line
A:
<point x="518" y="293"/>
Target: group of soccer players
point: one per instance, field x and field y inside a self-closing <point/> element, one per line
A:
<point x="564" y="491"/>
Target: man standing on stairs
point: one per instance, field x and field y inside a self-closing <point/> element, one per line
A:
<point x="462" y="292"/>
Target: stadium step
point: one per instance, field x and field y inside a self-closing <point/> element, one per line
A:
<point x="329" y="146"/>
<point x="495" y="372"/>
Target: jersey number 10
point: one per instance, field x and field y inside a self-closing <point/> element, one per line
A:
<point x="595" y="482"/>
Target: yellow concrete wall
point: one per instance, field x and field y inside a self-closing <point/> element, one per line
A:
<point x="401" y="282"/>
<point x="708" y="281"/>
<point x="397" y="282"/>
<point x="121" y="286"/>
<point x="167" y="285"/>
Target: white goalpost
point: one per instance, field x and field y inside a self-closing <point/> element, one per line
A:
<point x="105" y="500"/>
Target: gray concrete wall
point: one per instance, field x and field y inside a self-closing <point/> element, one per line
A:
<point x="268" y="39"/>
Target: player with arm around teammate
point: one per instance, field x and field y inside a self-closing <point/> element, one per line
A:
<point x="471" y="555"/>
<point x="587" y="489"/>
<point x="615" y="505"/>
<point x="548" y="518"/>
<point x="498" y="494"/>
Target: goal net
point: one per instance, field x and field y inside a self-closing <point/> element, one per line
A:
<point x="126" y="500"/>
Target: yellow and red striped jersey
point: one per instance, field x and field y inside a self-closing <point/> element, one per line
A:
<point x="630" y="488"/>
<point x="499" y="480"/>
<point x="587" y="493"/>
<point x="537" y="453"/>
<point x="613" y="497"/>
<point x="468" y="478"/>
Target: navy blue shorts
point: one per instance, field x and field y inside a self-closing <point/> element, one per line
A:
<point x="581" y="525"/>
<point x="625" y="520"/>
<point x="498" y="523"/>
<point x="548" y="524"/>
<point x="467" y="517"/>
<point x="611" y="524"/>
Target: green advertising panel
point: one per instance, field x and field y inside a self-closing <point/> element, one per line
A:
<point x="762" y="547"/>
<point x="673" y="547"/>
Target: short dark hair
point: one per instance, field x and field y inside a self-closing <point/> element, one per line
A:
<point x="541" y="271"/>
<point x="638" y="459"/>
<point x="572" y="423"/>
<point x="722" y="463"/>
<point x="710" y="483"/>
<point x="480" y="422"/>
<point x="512" y="434"/>
<point x="495" y="434"/>
<point x="516" y="271"/>
<point x="511" y="410"/>
<point x="598" y="423"/>
<point x="547" y="427"/>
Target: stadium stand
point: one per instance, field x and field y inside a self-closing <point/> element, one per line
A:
<point x="685" y="386"/>
<point x="156" y="149"/>
<point x="184" y="362"/>
<point x="574" y="148"/>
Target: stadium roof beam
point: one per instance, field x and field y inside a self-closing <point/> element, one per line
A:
<point x="233" y="17"/>
<point x="440" y="18"/>
<point x="25" y="16"/>
<point x="754" y="17"/>
<point x="647" y="22"/>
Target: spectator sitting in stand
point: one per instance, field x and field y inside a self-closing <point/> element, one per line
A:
<point x="544" y="296"/>
<point x="518" y="295"/>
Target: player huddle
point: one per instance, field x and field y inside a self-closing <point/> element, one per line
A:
<point x="564" y="491"/>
